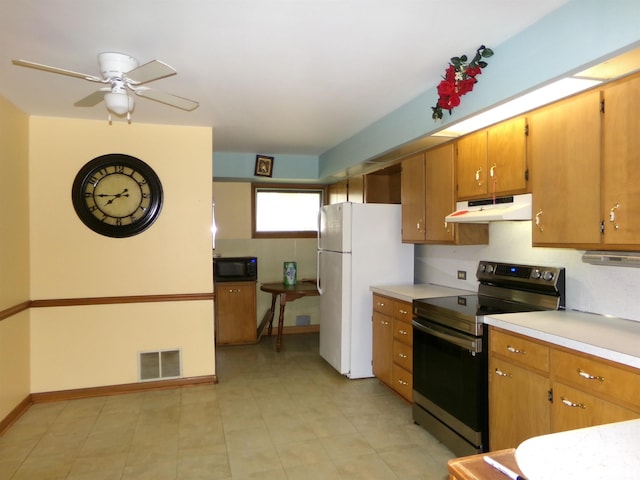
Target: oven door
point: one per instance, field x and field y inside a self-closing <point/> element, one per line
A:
<point x="450" y="383"/>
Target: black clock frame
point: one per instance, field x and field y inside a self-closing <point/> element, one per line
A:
<point x="84" y="177"/>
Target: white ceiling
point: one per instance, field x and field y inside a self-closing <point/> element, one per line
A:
<point x="271" y="76"/>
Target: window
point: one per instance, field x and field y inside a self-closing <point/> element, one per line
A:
<point x="286" y="211"/>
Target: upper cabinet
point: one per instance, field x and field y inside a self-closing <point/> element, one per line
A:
<point x="564" y="149"/>
<point x="621" y="164"/>
<point x="585" y="157"/>
<point x="493" y="161"/>
<point x="428" y="197"/>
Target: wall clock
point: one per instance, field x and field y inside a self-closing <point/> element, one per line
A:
<point x="117" y="195"/>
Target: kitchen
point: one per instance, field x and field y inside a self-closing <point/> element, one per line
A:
<point x="590" y="288"/>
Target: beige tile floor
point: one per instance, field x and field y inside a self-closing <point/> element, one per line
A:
<point x="284" y="415"/>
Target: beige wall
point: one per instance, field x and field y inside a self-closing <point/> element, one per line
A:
<point x="14" y="256"/>
<point x="233" y="220"/>
<point x="77" y="347"/>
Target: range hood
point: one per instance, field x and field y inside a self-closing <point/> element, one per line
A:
<point x="612" y="259"/>
<point x="516" y="207"/>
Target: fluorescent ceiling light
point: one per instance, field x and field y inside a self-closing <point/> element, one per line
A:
<point x="537" y="98"/>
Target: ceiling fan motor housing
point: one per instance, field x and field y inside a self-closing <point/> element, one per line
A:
<point x="115" y="64"/>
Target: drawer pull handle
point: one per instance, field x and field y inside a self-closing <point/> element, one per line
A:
<point x="403" y="332"/>
<point x="515" y="350"/>
<point x="588" y="376"/>
<point x="402" y="382"/>
<point x="380" y="304"/>
<point x="403" y="312"/>
<point x="383" y="322"/>
<point x="402" y="355"/>
<point x="569" y="403"/>
<point x="500" y="373"/>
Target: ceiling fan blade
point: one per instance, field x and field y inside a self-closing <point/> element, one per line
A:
<point x="46" y="68"/>
<point x="167" y="98"/>
<point x="149" y="72"/>
<point x="92" y="99"/>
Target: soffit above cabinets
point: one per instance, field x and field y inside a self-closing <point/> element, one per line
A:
<point x="616" y="67"/>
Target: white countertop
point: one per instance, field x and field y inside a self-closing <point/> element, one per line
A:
<point x="409" y="292"/>
<point x="603" y="452"/>
<point x="614" y="339"/>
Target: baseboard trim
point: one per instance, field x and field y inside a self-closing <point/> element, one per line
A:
<point x="121" y="389"/>
<point x="15" y="414"/>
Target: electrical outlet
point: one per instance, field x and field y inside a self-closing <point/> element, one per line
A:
<point x="462" y="275"/>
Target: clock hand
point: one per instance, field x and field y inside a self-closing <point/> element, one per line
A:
<point x="118" y="195"/>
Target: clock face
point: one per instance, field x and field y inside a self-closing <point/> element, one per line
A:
<point x="117" y="195"/>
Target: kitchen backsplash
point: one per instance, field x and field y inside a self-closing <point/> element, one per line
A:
<point x="591" y="288"/>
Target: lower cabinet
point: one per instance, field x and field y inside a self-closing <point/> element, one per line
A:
<point x="235" y="313"/>
<point x="536" y="388"/>
<point x="393" y="344"/>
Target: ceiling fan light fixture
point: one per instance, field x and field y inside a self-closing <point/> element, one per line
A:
<point x="119" y="103"/>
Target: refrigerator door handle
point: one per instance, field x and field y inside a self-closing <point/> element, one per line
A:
<point x="318" y="270"/>
<point x="319" y="227"/>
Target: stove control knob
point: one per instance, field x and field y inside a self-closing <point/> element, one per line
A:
<point x="482" y="267"/>
<point x="536" y="274"/>
<point x="489" y="268"/>
<point x="547" y="276"/>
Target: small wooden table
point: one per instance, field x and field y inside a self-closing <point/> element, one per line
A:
<point x="287" y="293"/>
<point x="474" y="467"/>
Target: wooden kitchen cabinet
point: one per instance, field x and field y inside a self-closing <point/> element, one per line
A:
<point x="621" y="164"/>
<point x="382" y="357"/>
<point x="589" y="391"/>
<point x="518" y="389"/>
<point x="393" y="344"/>
<point x="536" y="388"/>
<point x="427" y="195"/>
<point x="235" y="313"/>
<point x="564" y="149"/>
<point x="493" y="161"/>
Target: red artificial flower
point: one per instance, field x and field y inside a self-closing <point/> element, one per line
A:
<point x="446" y="88"/>
<point x="473" y="71"/>
<point x="466" y="85"/>
<point x="450" y="73"/>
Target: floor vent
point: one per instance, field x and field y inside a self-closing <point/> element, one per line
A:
<point x="159" y="365"/>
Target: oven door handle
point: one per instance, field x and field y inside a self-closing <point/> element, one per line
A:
<point x="473" y="345"/>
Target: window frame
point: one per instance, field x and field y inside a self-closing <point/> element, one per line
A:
<point x="292" y="187"/>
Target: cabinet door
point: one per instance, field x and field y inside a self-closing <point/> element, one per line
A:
<point x="518" y="404"/>
<point x="564" y="148"/>
<point x="574" y="408"/>
<point x="621" y="163"/>
<point x="412" y="197"/>
<point x="507" y="157"/>
<point x="439" y="193"/>
<point x="235" y="313"/>
<point x="382" y="346"/>
<point x="471" y="165"/>
<point x="338" y="192"/>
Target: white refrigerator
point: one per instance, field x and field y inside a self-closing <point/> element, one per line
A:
<point x="359" y="245"/>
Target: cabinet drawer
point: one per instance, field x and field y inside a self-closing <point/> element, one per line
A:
<point x="403" y="332"/>
<point x="402" y="382"/>
<point x="573" y="408"/>
<point x="402" y="311"/>
<point x="519" y="349"/>
<point x="382" y="304"/>
<point x="403" y="355"/>
<point x="597" y="376"/>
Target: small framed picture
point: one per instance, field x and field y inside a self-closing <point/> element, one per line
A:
<point x="264" y="166"/>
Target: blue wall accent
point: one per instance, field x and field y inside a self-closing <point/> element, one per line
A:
<point x="578" y="35"/>
<point x="241" y="166"/>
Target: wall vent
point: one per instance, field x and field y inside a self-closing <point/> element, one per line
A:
<point x="159" y="365"/>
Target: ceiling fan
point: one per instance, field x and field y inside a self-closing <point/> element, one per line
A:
<point x="122" y="74"/>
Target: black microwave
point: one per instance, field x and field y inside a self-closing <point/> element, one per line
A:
<point x="235" y="269"/>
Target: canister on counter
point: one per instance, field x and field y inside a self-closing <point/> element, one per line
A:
<point x="290" y="273"/>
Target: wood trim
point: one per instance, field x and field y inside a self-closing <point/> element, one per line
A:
<point x="15" y="414"/>
<point x="90" y="392"/>
<point x="11" y="311"/>
<point x="66" y="302"/>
